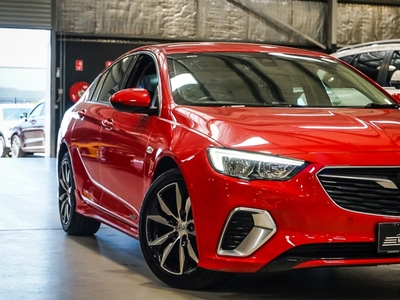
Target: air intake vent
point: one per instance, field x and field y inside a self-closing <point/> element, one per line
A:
<point x="246" y="230"/>
<point x="238" y="228"/>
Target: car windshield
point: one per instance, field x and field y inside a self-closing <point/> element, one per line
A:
<point x="268" y="79"/>
<point x="11" y="114"/>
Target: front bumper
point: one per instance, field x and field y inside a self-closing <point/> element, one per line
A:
<point x="303" y="216"/>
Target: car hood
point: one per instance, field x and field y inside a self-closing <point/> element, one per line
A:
<point x="296" y="130"/>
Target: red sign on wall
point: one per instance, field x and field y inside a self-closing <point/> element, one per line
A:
<point x="79" y="65"/>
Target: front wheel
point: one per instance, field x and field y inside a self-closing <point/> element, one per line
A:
<point x="16" y="150"/>
<point x="168" y="236"/>
<point x="72" y="222"/>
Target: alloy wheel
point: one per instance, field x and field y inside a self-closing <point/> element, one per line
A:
<point x="65" y="192"/>
<point x="170" y="230"/>
<point x="16" y="147"/>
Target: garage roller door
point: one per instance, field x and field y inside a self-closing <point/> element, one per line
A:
<point x="30" y="14"/>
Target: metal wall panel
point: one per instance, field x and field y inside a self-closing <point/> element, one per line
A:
<point x="359" y="23"/>
<point x="192" y="19"/>
<point x="31" y="14"/>
<point x="228" y="20"/>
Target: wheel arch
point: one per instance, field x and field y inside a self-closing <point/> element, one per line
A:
<point x="166" y="163"/>
<point x="62" y="150"/>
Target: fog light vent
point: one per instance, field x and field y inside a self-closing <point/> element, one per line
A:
<point x="238" y="228"/>
<point x="246" y="230"/>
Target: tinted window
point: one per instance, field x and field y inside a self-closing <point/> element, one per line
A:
<point x="349" y="58"/>
<point x="370" y="63"/>
<point x="261" y="79"/>
<point x="144" y="75"/>
<point x="393" y="66"/>
<point x="111" y="81"/>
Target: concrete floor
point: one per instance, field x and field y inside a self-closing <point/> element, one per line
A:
<point x="38" y="261"/>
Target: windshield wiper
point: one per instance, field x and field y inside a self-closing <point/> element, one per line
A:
<point x="379" y="105"/>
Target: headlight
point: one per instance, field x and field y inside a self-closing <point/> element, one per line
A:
<point x="251" y="165"/>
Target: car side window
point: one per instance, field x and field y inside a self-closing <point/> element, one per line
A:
<point x="89" y="93"/>
<point x="393" y="66"/>
<point x="111" y="81"/>
<point x="144" y="75"/>
<point x="37" y="111"/>
<point x="370" y="63"/>
<point x="349" y="58"/>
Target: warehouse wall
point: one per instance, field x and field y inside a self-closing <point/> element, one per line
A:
<point x="226" y="20"/>
<point x="191" y="19"/>
<point x="359" y="23"/>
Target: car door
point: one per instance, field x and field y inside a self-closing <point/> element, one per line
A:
<point x="85" y="140"/>
<point x="32" y="130"/>
<point x="123" y="143"/>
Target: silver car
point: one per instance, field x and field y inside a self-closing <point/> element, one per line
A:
<point x="10" y="115"/>
<point x="379" y="60"/>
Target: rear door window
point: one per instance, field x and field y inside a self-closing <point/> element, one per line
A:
<point x="349" y="58"/>
<point x="370" y="63"/>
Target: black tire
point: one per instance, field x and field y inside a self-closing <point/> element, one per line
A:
<point x="168" y="237"/>
<point x="72" y="222"/>
<point x="3" y="148"/>
<point x="16" y="150"/>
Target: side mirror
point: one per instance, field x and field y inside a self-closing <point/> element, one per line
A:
<point x="23" y="116"/>
<point x="132" y="100"/>
<point x="395" y="79"/>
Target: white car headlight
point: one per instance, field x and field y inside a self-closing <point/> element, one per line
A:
<point x="251" y="165"/>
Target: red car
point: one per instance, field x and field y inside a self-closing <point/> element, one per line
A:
<point x="227" y="158"/>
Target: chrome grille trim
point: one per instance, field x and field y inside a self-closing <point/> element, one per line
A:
<point x="386" y="183"/>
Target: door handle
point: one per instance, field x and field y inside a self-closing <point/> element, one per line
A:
<point x="108" y="123"/>
<point x="82" y="113"/>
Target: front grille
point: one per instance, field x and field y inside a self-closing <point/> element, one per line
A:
<point x="238" y="228"/>
<point x="358" y="189"/>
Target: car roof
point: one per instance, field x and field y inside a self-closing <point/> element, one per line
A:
<point x="367" y="47"/>
<point x="200" y="47"/>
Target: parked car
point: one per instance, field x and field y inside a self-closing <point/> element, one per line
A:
<point x="28" y="135"/>
<point x="226" y="158"/>
<point x="9" y="116"/>
<point x="379" y="60"/>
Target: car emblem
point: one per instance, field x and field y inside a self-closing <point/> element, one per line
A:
<point x="391" y="241"/>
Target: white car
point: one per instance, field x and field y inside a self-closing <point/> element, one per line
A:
<point x="379" y="60"/>
<point x="10" y="115"/>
